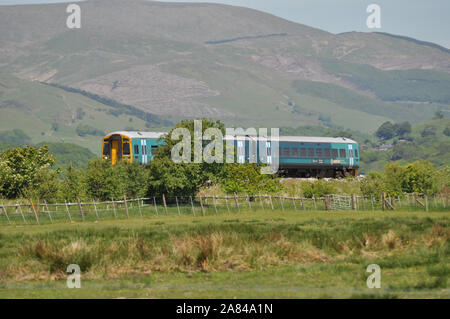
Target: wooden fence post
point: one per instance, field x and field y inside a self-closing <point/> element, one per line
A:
<point x="248" y="201"/>
<point x="271" y="203"/>
<point x="21" y="212"/>
<point x="261" y="202"/>
<point x="126" y="205"/>
<point x="80" y="208"/>
<point x="114" y="208"/>
<point x="281" y="202"/>
<point x="34" y="211"/>
<point x="293" y="201"/>
<point x="426" y="203"/>
<point x="48" y="211"/>
<point x="236" y="202"/>
<point x="327" y="201"/>
<point x="354" y="204"/>
<point x="139" y="206"/>
<point x="6" y="214"/>
<point x="178" y="207"/>
<point x="68" y="211"/>
<point x="303" y="203"/>
<point x="164" y="203"/>
<point x="383" y="201"/>
<point x="371" y="200"/>
<point x="226" y="202"/>
<point x="215" y="203"/>
<point x="201" y="205"/>
<point x="156" y="206"/>
<point x="314" y="200"/>
<point x="95" y="208"/>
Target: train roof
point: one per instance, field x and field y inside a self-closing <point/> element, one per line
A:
<point x="307" y="139"/>
<point x="138" y="134"/>
<point x="299" y="139"/>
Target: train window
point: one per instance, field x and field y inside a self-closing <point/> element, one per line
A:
<point x="342" y="153"/>
<point x="136" y="149"/>
<point x="295" y="152"/>
<point x="126" y="148"/>
<point x="334" y="153"/>
<point x="318" y="152"/>
<point x="106" y="149"/>
<point x="285" y="152"/>
<point x="356" y="153"/>
<point x="326" y="152"/>
<point x="310" y="152"/>
<point x="154" y="148"/>
<point x="303" y="152"/>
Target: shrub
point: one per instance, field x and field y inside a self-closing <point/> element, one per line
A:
<point x="318" y="188"/>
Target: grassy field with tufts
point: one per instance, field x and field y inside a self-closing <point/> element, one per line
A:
<point x="258" y="254"/>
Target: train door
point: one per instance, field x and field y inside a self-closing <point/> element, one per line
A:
<point x="114" y="151"/>
<point x="351" y="158"/>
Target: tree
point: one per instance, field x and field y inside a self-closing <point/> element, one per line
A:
<point x="403" y="128"/>
<point x="20" y="168"/>
<point x="428" y="131"/>
<point x="447" y="131"/>
<point x="386" y="131"/>
<point x="438" y="115"/>
<point x="373" y="184"/>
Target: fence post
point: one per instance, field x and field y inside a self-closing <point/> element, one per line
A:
<point x="371" y="200"/>
<point x="139" y="206"/>
<point x="114" y="207"/>
<point x="201" y="205"/>
<point x="281" y="202"/>
<point x="237" y="203"/>
<point x="354" y="207"/>
<point x="6" y="213"/>
<point x="293" y="201"/>
<point x="21" y="212"/>
<point x="34" y="211"/>
<point x="165" y="204"/>
<point x="327" y="201"/>
<point x="178" y="207"/>
<point x="68" y="212"/>
<point x="81" y="209"/>
<point x="95" y="208"/>
<point x="215" y="204"/>
<point x="226" y="202"/>
<point x="303" y="204"/>
<point x="383" y="201"/>
<point x="363" y="202"/>
<point x="426" y="203"/>
<point x="156" y="206"/>
<point x="261" y="201"/>
<point x="248" y="201"/>
<point x="271" y="203"/>
<point x="126" y="205"/>
<point x="48" y="211"/>
<point x="314" y="200"/>
<point x="192" y="204"/>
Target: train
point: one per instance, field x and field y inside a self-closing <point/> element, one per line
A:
<point x="298" y="156"/>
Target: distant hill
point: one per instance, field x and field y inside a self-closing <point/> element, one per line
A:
<point x="169" y="61"/>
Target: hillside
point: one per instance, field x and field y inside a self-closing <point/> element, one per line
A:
<point x="180" y="60"/>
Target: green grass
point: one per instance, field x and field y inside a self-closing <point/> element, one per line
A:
<point x="251" y="254"/>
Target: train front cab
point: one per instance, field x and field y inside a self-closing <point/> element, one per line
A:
<point x="116" y="148"/>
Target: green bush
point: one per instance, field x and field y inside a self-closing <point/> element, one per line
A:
<point x="317" y="188"/>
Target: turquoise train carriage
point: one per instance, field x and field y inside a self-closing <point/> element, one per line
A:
<point x="298" y="156"/>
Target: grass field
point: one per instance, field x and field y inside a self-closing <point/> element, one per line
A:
<point x="258" y="254"/>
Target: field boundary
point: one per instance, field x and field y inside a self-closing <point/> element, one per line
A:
<point x="41" y="212"/>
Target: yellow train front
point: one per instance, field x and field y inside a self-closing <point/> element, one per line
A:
<point x="131" y="146"/>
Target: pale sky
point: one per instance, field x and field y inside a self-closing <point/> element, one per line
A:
<point x="425" y="20"/>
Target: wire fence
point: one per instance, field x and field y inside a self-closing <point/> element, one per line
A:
<point x="42" y="213"/>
